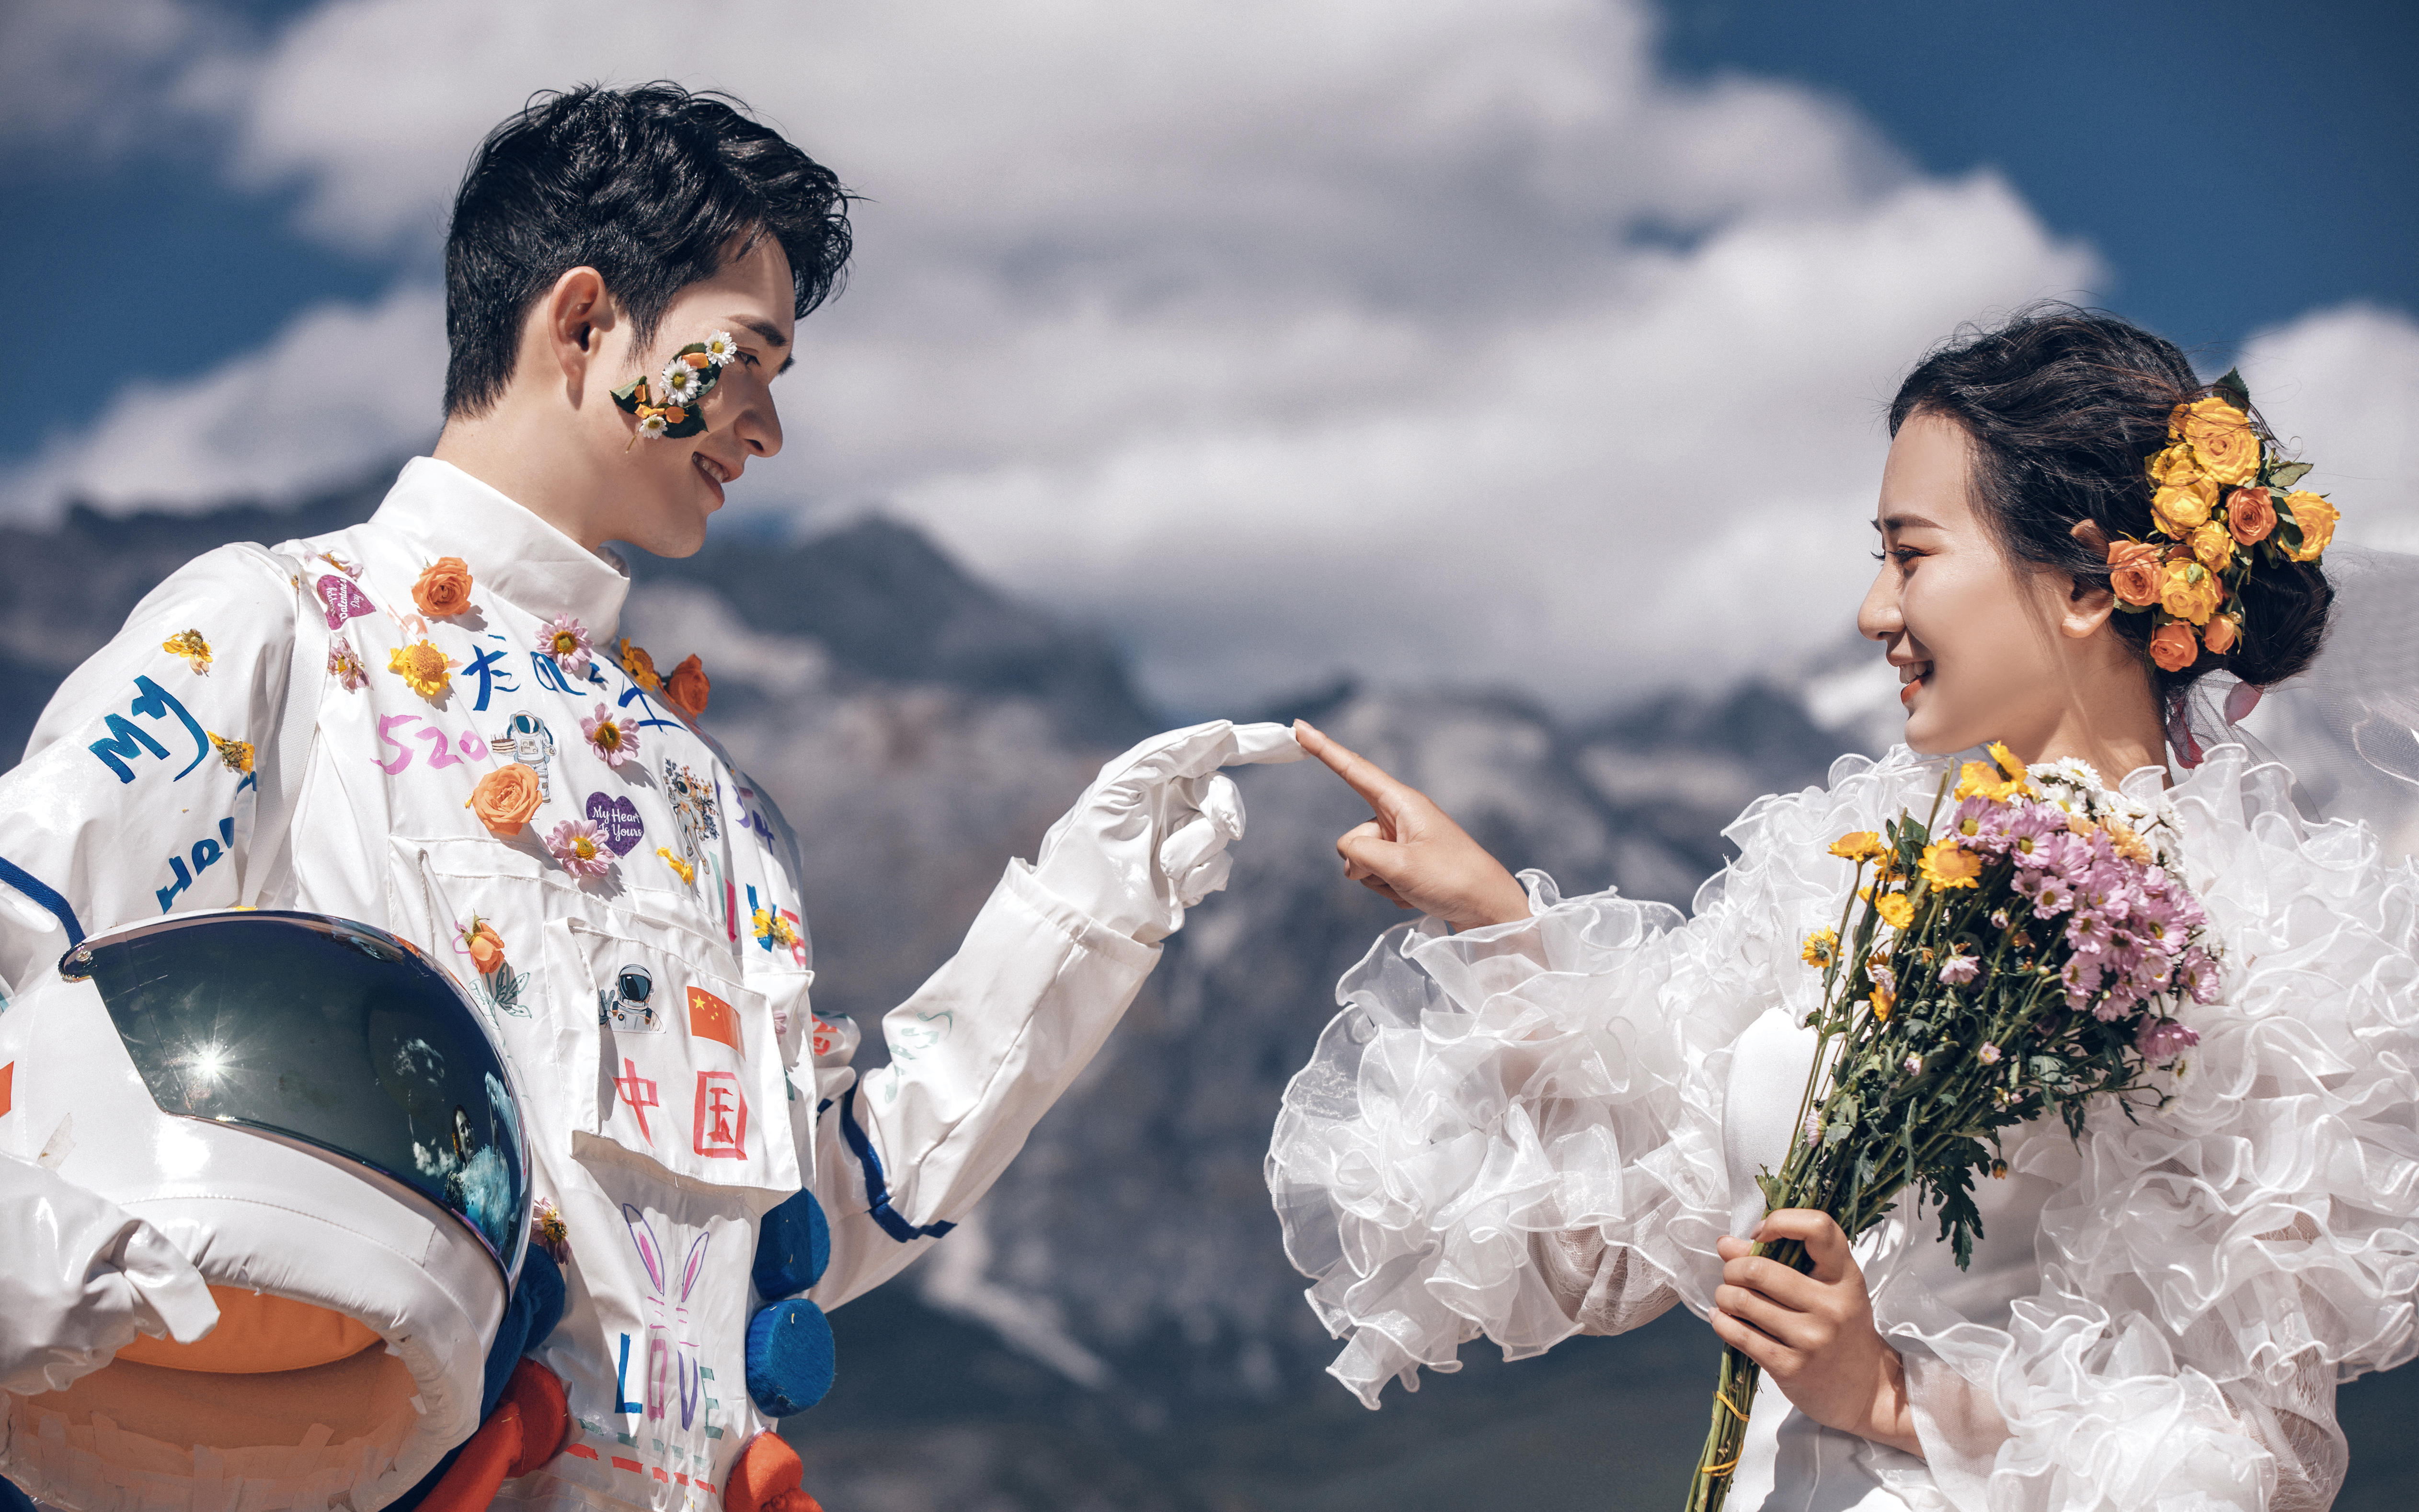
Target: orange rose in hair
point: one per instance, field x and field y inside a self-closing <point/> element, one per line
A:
<point x="2173" y="647"/>
<point x="2317" y="518"/>
<point x="2221" y="438"/>
<point x="2133" y="571"/>
<point x="2250" y="514"/>
<point x="444" y="590"/>
<point x="505" y="799"/>
<point x="687" y="690"/>
<point x="2220" y="634"/>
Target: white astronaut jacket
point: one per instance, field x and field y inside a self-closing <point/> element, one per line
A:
<point x="675" y="1082"/>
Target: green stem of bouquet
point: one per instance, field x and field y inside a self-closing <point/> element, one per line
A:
<point x="1735" y="1388"/>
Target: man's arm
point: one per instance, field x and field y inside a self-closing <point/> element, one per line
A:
<point x="136" y="794"/>
<point x="1049" y="964"/>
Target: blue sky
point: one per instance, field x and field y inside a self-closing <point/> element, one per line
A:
<point x="1398" y="328"/>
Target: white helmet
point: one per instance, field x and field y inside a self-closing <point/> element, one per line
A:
<point x="318" y="1116"/>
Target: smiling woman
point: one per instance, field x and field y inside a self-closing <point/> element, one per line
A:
<point x="1556" y="1120"/>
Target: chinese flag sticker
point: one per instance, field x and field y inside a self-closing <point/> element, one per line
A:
<point x="8" y="1083"/>
<point x="711" y="1018"/>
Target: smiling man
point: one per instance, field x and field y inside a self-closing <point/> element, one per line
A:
<point x="428" y="723"/>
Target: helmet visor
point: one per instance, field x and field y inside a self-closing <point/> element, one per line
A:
<point x="329" y="1032"/>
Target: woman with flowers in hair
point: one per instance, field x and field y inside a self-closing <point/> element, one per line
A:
<point x="1539" y="1116"/>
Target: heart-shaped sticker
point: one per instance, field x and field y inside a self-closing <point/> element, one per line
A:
<point x="618" y="819"/>
<point x="344" y="601"/>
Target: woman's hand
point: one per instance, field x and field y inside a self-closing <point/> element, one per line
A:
<point x="1814" y="1335"/>
<point x="1414" y="854"/>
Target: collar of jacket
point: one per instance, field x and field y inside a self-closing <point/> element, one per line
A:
<point x="442" y="511"/>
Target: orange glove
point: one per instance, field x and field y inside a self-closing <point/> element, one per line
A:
<point x="525" y="1429"/>
<point x="766" y="1479"/>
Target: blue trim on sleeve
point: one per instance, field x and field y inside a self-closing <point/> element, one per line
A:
<point x="877" y="1194"/>
<point x="39" y="890"/>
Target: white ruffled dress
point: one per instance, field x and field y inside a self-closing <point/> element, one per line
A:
<point x="1540" y="1129"/>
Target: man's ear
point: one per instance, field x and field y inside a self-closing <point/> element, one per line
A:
<point x="2088" y="605"/>
<point x="569" y="324"/>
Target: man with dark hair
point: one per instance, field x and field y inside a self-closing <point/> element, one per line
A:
<point x="428" y="723"/>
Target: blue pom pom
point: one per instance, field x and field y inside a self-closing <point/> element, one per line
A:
<point x="792" y="1246"/>
<point x="789" y="1357"/>
<point x="536" y="1308"/>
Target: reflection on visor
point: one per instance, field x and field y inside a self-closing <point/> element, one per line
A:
<point x="329" y="1031"/>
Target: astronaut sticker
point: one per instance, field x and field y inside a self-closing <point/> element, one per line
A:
<point x="628" y="1006"/>
<point x="527" y="741"/>
<point x="693" y="808"/>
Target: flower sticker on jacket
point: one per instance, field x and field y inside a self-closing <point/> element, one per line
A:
<point x="443" y="590"/>
<point x="427" y="669"/>
<point x="580" y="848"/>
<point x="345" y="666"/>
<point x="506" y="799"/>
<point x="640" y="667"/>
<point x="192" y="648"/>
<point x="483" y="944"/>
<point x="610" y="737"/>
<point x="236" y="754"/>
<point x="681" y="869"/>
<point x="773" y="930"/>
<point x="566" y="641"/>
<point x="687" y="690"/>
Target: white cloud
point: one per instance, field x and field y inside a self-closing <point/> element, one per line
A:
<point x="339" y="387"/>
<point x="2341" y="386"/>
<point x="1411" y="337"/>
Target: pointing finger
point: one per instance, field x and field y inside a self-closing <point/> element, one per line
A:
<point x="1385" y="796"/>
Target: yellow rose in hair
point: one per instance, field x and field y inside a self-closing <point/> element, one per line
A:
<point x="2182" y="508"/>
<point x="2221" y="438"/>
<point x="2317" y="518"/>
<point x="2176" y="465"/>
<point x="2214" y="544"/>
<point x="2189" y="592"/>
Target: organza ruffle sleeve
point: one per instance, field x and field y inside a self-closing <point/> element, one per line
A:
<point x="2218" y="1266"/>
<point x="1517" y="1131"/>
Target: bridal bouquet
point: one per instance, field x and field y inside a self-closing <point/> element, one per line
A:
<point x="2025" y="956"/>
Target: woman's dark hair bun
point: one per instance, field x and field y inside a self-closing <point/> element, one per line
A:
<point x="2064" y="407"/>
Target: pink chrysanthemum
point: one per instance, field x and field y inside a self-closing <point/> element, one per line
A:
<point x="579" y="845"/>
<point x="610" y="737"/>
<point x="566" y="641"/>
<point x="2165" y="1040"/>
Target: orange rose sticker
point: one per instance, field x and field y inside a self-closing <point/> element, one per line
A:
<point x="2173" y="647"/>
<point x="486" y="946"/>
<point x="2133" y="571"/>
<point x="444" y="590"/>
<point x="2250" y="514"/>
<point x="2317" y="518"/>
<point x="687" y="690"/>
<point x="2221" y="438"/>
<point x="640" y="667"/>
<point x="505" y="799"/>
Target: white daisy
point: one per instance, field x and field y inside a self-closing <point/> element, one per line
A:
<point x="720" y="348"/>
<point x="653" y="427"/>
<point x="682" y="383"/>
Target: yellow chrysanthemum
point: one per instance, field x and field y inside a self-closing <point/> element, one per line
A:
<point x="190" y="645"/>
<point x="1821" y="947"/>
<point x="1951" y="865"/>
<point x="1883" y="1001"/>
<point x="2007" y="760"/>
<point x="1859" y="845"/>
<point x="1897" y="911"/>
<point x="426" y="669"/>
<point x="237" y="754"/>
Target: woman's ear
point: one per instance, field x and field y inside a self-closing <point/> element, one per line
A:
<point x="2088" y="604"/>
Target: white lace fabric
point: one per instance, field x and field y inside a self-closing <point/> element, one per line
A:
<point x="1517" y="1133"/>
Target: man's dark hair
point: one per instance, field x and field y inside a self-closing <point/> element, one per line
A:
<point x="649" y="187"/>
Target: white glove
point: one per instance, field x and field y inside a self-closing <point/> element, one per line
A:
<point x="1148" y="839"/>
<point x="82" y="1277"/>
